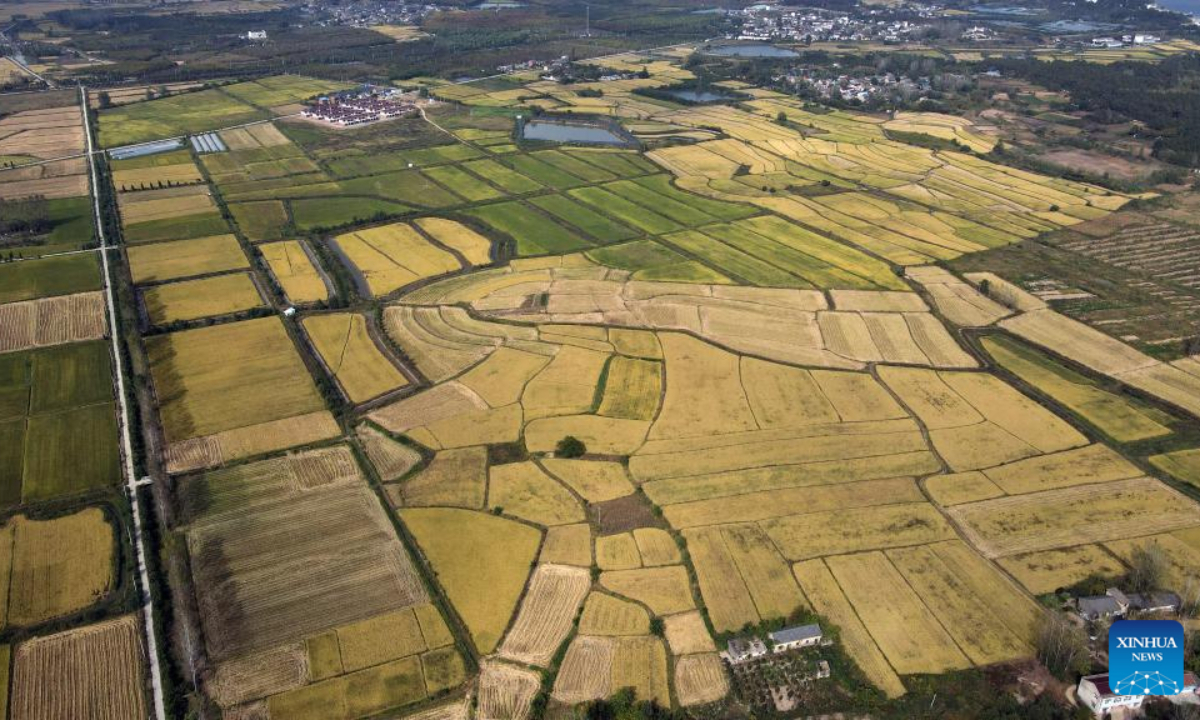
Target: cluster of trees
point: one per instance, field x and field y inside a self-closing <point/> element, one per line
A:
<point x="1163" y="96"/>
<point x="25" y="215"/>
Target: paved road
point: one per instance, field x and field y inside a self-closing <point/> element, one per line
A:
<point x="131" y="480"/>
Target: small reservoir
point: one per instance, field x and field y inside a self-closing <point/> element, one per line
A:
<point x="752" y="51"/>
<point x="564" y="132"/>
<point x="699" y="96"/>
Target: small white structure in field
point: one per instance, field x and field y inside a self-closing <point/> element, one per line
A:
<point x="289" y="312"/>
<point x="256" y="35"/>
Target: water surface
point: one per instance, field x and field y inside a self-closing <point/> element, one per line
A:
<point x="569" y="133"/>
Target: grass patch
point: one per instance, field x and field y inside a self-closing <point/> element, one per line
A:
<point x="180" y="228"/>
<point x="260" y="220"/>
<point x="535" y="233"/>
<point x="177" y="115"/>
<point x="502" y="177"/>
<point x="593" y="223"/>
<point x="48" y="277"/>
<point x="70" y="452"/>
<point x="313" y="213"/>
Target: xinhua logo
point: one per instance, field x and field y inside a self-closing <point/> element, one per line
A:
<point x="1145" y="657"/>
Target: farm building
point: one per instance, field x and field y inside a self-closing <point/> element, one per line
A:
<point x="797" y="636"/>
<point x="1097" y="695"/>
<point x="1100" y="607"/>
<point x="740" y="650"/>
<point x="1114" y="603"/>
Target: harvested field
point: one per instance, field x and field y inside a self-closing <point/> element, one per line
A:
<point x="59" y="566"/>
<point x="827" y="598"/>
<point x="957" y="300"/>
<point x="206" y="297"/>
<point x="551" y="603"/>
<point x="665" y="590"/>
<point x="568" y="545"/>
<point x="52" y="321"/>
<point x="184" y="258"/>
<point x="607" y="616"/>
<point x="506" y="692"/>
<point x="586" y="670"/>
<point x="229" y="376"/>
<point x="1049" y="570"/>
<point x="392" y="459"/>
<point x="1073" y="516"/>
<point x="481" y="561"/>
<point x="99" y="670"/>
<point x="287" y="548"/>
<point x="392" y="256"/>
<point x="344" y="343"/>
<point x="700" y="679"/>
<point x="229" y="445"/>
<point x="293" y="269"/>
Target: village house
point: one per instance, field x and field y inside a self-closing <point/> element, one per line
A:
<point x="740" y="650"/>
<point x="1114" y="603"/>
<point x="1097" y="695"/>
<point x="796" y="637"/>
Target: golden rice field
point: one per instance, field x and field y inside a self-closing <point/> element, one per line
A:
<point x="226" y="377"/>
<point x="350" y="353"/>
<point x="294" y="269"/>
<point x="392" y="256"/>
<point x="55" y="567"/>
<point x="205" y="297"/>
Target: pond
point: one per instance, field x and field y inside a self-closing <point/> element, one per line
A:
<point x="699" y="96"/>
<point x="568" y="133"/>
<point x="752" y="51"/>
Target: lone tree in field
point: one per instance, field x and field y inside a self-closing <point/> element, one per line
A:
<point x="1062" y="646"/>
<point x="570" y="447"/>
<point x="1147" y="568"/>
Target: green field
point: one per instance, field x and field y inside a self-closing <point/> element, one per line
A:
<point x="661" y="184"/>
<point x="669" y="207"/>
<point x="263" y="220"/>
<point x="585" y="171"/>
<point x="541" y="172"/>
<point x="535" y="233"/>
<point x="176" y="115"/>
<point x="593" y="223"/>
<point x="627" y="212"/>
<point x="281" y="89"/>
<point x="58" y="433"/>
<point x="312" y="213"/>
<point x="733" y="261"/>
<point x="409" y="187"/>
<point x="650" y="260"/>
<point x="502" y="177"/>
<point x="48" y="277"/>
<point x="180" y="228"/>
<point x="619" y="163"/>
<point x="1121" y="418"/>
<point x="463" y="183"/>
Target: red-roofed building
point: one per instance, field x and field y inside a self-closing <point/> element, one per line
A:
<point x="1095" y="692"/>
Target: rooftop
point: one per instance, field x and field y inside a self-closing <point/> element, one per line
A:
<point x="796" y="634"/>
